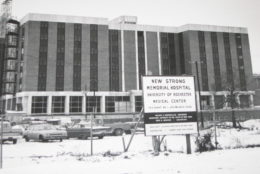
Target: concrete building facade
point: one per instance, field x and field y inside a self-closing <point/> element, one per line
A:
<point x="67" y="65"/>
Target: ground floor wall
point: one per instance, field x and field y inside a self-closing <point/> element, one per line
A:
<point x="51" y="103"/>
<point x="225" y="115"/>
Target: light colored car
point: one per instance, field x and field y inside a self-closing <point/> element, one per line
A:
<point x="44" y="132"/>
<point x="9" y="134"/>
<point x="117" y="128"/>
<point x="82" y="130"/>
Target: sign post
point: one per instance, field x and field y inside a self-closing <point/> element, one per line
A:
<point x="169" y="105"/>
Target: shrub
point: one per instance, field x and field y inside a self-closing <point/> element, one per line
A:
<point x="203" y="143"/>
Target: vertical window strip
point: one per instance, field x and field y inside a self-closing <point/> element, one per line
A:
<point x="181" y="50"/>
<point x="216" y="65"/>
<point x="164" y="53"/>
<point x="93" y="57"/>
<point x="141" y="56"/>
<point x="240" y="60"/>
<point x="43" y="52"/>
<point x="203" y="59"/>
<point x="60" y="57"/>
<point x="77" y="57"/>
<point x="114" y="60"/>
<point x="172" y="58"/>
<point x="230" y="80"/>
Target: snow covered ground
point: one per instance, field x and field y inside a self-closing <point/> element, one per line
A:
<point x="73" y="156"/>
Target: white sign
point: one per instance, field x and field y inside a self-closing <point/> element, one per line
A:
<point x="169" y="105"/>
<point x="168" y="94"/>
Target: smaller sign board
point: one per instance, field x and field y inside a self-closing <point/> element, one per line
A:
<point x="169" y="105"/>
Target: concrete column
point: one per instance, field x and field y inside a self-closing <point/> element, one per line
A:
<point x="238" y="100"/>
<point x="103" y="104"/>
<point x="159" y="53"/>
<point x="123" y="59"/>
<point x="84" y="104"/>
<point x="198" y="100"/>
<point x="132" y="101"/>
<point x="29" y="104"/>
<point x="226" y="103"/>
<point x="212" y="101"/>
<point x="136" y="62"/>
<point x="251" y="101"/>
<point x="67" y="105"/>
<point x="49" y="104"/>
<point x="145" y="54"/>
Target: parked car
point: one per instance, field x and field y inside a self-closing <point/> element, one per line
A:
<point x="10" y="134"/>
<point x="44" y="132"/>
<point x="82" y="130"/>
<point x="117" y="128"/>
<point x="139" y="128"/>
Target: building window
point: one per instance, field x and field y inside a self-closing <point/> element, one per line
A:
<point x="240" y="61"/>
<point x="93" y="57"/>
<point x="216" y="65"/>
<point x="60" y="57"/>
<point x="43" y="56"/>
<point x="11" y="64"/>
<point x="114" y="60"/>
<point x="58" y="104"/>
<point x="203" y="59"/>
<point x="205" y="102"/>
<point x="141" y="56"/>
<point x="118" y="104"/>
<point x="39" y="104"/>
<point x="9" y="88"/>
<point x="19" y="104"/>
<point x="92" y="102"/>
<point x="219" y="102"/>
<point x="181" y="51"/>
<point x="230" y="81"/>
<point x="11" y="52"/>
<point x="244" y="101"/>
<point x="168" y="54"/>
<point x="10" y="77"/>
<point x="75" y="104"/>
<point x="138" y="103"/>
<point x="12" y="40"/>
<point x="77" y="57"/>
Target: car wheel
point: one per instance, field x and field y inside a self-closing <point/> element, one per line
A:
<point x="41" y="138"/>
<point x="14" y="141"/>
<point x="26" y="138"/>
<point x="128" y="131"/>
<point x="101" y="137"/>
<point x="118" y="132"/>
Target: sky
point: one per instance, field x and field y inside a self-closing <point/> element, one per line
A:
<point x="237" y="13"/>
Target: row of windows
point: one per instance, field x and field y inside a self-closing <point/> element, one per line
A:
<point x="112" y="104"/>
<point x="169" y="63"/>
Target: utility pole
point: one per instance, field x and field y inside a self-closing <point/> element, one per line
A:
<point x="2" y="112"/>
<point x="198" y="82"/>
